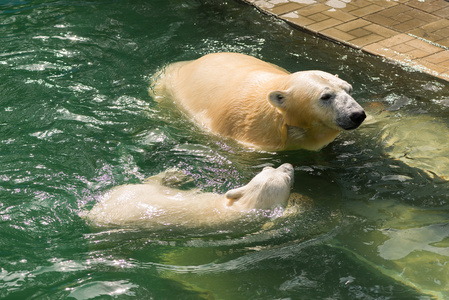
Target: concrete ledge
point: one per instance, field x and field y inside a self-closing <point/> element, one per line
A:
<point x="408" y="32"/>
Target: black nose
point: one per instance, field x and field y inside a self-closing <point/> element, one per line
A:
<point x="358" y="117"/>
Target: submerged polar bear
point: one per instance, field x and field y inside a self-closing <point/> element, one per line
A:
<point x="260" y="104"/>
<point x="154" y="205"/>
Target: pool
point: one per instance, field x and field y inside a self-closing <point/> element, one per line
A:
<point x="76" y="119"/>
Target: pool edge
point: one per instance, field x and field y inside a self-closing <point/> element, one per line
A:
<point x="399" y="47"/>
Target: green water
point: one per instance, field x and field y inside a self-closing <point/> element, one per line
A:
<point x="76" y="120"/>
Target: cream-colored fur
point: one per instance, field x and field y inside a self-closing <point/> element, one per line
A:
<point x="154" y="205"/>
<point x="260" y="104"/>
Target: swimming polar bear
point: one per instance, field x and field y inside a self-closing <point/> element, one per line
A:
<point x="154" y="205"/>
<point x="260" y="104"/>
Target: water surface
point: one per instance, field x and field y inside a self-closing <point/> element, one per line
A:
<point x="76" y="120"/>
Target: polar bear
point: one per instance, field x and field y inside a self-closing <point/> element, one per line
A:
<point x="154" y="205"/>
<point x="260" y="104"/>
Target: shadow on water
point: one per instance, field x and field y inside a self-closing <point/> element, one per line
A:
<point x="76" y="120"/>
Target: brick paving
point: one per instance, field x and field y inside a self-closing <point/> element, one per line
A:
<point x="410" y="32"/>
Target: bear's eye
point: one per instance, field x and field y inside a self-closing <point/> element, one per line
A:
<point x="326" y="97"/>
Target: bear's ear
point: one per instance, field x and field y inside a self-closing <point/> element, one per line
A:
<point x="234" y="195"/>
<point x="277" y="99"/>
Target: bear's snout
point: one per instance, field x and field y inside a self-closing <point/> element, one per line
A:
<point x="349" y="113"/>
<point x="352" y="121"/>
<point x="357" y="118"/>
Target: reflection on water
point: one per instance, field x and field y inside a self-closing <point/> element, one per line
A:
<point x="417" y="139"/>
<point x="76" y="120"/>
<point x="409" y="244"/>
<point x="92" y="290"/>
<point x="402" y="242"/>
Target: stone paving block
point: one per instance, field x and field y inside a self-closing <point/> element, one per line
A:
<point x="419" y="32"/>
<point x="282" y="9"/>
<point x="378" y="49"/>
<point x="338" y="35"/>
<point x="401" y="18"/>
<point x="318" y="17"/>
<point x="367" y="10"/>
<point x="349" y="7"/>
<point x="443" y="42"/>
<point x="324" y="24"/>
<point x="396" y="40"/>
<point x="313" y="9"/>
<point x="420" y="15"/>
<point x="428" y="6"/>
<point x="361" y="3"/>
<point x="438" y="57"/>
<point x="276" y="2"/>
<point x="353" y="25"/>
<point x="387" y="3"/>
<point x="409" y="32"/>
<point x="359" y="32"/>
<point x="298" y="20"/>
<point x="395" y="10"/>
<point x="381" y="30"/>
<point x="443" y="13"/>
<point x="366" y="40"/>
<point x="401" y="58"/>
<point x="403" y="48"/>
<point x="445" y="64"/>
<point x="430" y="36"/>
<point x="443" y="32"/>
<point x="437" y="25"/>
<point x="383" y="20"/>
<point x="436" y="68"/>
<point x="433" y="37"/>
<point x="424" y="46"/>
<point x="261" y="3"/>
<point x="417" y="53"/>
<point x="290" y="15"/>
<point x="340" y="15"/>
<point x="444" y="75"/>
<point x="408" y="25"/>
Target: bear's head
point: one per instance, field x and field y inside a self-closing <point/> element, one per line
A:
<point x="268" y="189"/>
<point x="312" y="98"/>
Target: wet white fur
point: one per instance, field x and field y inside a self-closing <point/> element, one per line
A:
<point x="152" y="204"/>
<point x="257" y="103"/>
